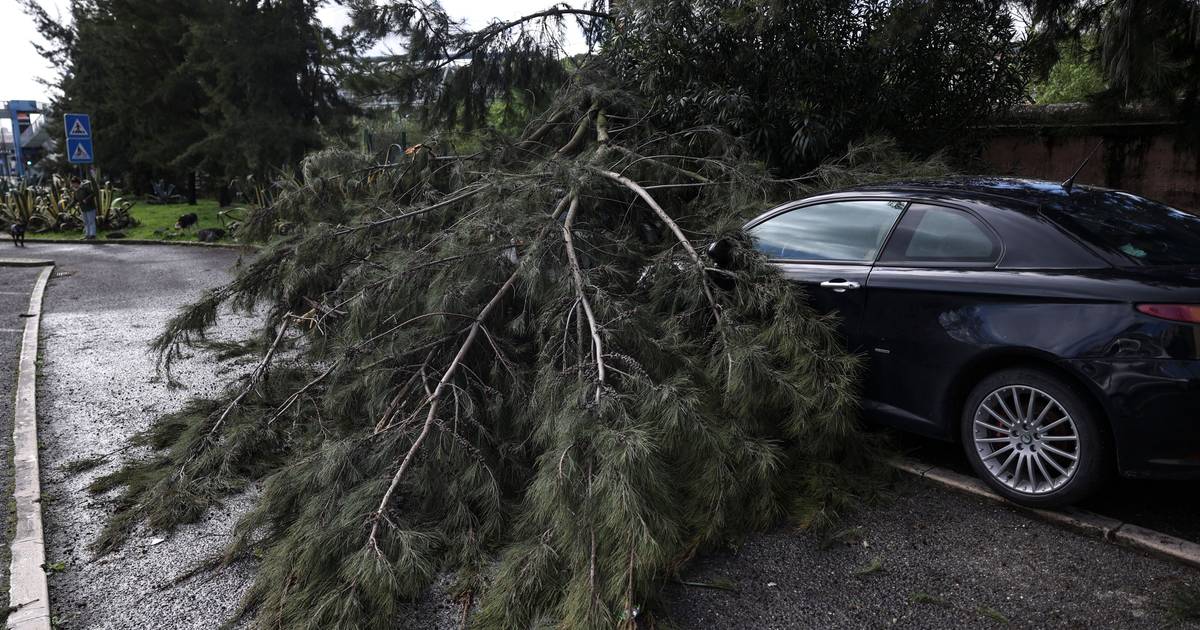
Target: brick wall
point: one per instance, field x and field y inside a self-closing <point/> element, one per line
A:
<point x="1142" y="152"/>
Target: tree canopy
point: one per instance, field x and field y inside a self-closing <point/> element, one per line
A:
<point x="231" y="88"/>
<point x="1145" y="50"/>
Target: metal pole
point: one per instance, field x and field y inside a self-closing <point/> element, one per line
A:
<point x="16" y="131"/>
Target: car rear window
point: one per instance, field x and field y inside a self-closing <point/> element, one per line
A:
<point x="1141" y="231"/>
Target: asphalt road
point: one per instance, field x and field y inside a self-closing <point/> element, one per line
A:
<point x="15" y="285"/>
<point x="928" y="558"/>
<point x="1166" y="506"/>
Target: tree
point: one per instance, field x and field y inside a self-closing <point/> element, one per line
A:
<point x="1147" y="50"/>
<point x="519" y="365"/>
<point x="265" y="69"/>
<point x="1074" y="78"/>
<point x="175" y="86"/>
<point x="122" y="61"/>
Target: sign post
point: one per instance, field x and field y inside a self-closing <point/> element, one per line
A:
<point x="79" y="139"/>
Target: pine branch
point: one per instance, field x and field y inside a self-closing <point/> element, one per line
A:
<point x="679" y="236"/>
<point x="577" y="274"/>
<point x="435" y="397"/>
<point x="485" y="36"/>
<point x="458" y="196"/>
<point x="255" y="377"/>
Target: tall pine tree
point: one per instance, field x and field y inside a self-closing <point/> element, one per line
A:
<point x="173" y="86"/>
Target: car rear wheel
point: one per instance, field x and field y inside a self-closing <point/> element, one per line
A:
<point x="1033" y="439"/>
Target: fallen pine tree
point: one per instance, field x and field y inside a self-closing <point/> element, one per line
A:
<point x="518" y="366"/>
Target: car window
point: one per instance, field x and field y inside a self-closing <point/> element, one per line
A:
<point x="1143" y="232"/>
<point x="943" y="235"/>
<point x="839" y="230"/>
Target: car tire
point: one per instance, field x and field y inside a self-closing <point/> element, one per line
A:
<point x="1034" y="439"/>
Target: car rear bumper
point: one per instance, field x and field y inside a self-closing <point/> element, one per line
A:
<point x="1154" y="406"/>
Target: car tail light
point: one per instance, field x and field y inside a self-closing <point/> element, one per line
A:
<point x="1189" y="313"/>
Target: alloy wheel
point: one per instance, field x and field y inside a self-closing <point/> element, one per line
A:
<point x="1026" y="439"/>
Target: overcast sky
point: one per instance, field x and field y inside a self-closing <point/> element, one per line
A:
<point x="21" y="67"/>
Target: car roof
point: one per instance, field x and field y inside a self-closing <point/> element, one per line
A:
<point x="1013" y="207"/>
<point x="1022" y="194"/>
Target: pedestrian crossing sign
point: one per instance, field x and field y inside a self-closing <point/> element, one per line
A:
<point x="78" y="125"/>
<point x="79" y="151"/>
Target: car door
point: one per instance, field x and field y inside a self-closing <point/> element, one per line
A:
<point x="829" y="247"/>
<point x="922" y="320"/>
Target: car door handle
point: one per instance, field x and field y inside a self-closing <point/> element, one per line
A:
<point x="840" y="286"/>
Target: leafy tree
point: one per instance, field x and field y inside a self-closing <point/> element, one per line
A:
<point x="801" y="80"/>
<point x="1074" y="78"/>
<point x="1146" y="49"/>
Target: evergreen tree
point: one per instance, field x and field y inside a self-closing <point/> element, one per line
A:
<point x="265" y="71"/>
<point x="173" y="86"/>
<point x="123" y="62"/>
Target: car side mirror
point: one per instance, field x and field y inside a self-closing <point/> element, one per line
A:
<point x="721" y="252"/>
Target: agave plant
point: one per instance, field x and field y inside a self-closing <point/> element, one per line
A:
<point x="163" y="193"/>
<point x="112" y="211"/>
<point x="19" y="204"/>
<point x="57" y="209"/>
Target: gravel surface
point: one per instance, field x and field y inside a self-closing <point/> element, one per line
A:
<point x="930" y="558"/>
<point x="15" y="285"/>
<point x="98" y="387"/>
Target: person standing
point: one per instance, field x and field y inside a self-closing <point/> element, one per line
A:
<point x="85" y="198"/>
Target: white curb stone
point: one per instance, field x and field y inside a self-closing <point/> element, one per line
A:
<point x="27" y="591"/>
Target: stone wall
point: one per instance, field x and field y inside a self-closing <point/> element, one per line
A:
<point x="1144" y="152"/>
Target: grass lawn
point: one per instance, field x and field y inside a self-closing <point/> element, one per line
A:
<point x="161" y="217"/>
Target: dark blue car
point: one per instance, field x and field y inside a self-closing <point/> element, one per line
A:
<point x="1055" y="332"/>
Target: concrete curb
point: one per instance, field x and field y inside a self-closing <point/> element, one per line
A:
<point x="24" y="262"/>
<point x="1087" y="523"/>
<point x="28" y="592"/>
<point x="138" y="241"/>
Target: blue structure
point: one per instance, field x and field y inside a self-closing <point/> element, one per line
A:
<point x="29" y="137"/>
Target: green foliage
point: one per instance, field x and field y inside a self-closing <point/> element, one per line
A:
<point x="713" y="417"/>
<point x="993" y="614"/>
<point x="1184" y="603"/>
<point x="1143" y="49"/>
<point x="181" y="85"/>
<point x="82" y="464"/>
<point x="925" y="598"/>
<point x="50" y="207"/>
<point x="1072" y="79"/>
<point x="801" y="80"/>
<point x="874" y="565"/>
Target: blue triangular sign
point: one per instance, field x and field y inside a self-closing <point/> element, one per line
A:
<point x="80" y="153"/>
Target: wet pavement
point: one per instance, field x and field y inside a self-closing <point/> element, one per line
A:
<point x="15" y="285"/>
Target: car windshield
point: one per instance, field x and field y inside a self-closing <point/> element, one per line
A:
<point x="1142" y="231"/>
